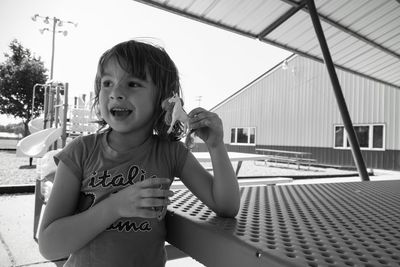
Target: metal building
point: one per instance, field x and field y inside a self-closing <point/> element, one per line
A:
<point x="293" y="107"/>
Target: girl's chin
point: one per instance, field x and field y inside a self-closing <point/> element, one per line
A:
<point x="124" y="127"/>
<point x="119" y="126"/>
<point x="122" y="131"/>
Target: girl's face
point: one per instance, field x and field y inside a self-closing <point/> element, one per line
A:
<point x="126" y="103"/>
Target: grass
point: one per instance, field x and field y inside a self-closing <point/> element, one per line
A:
<point x="16" y="170"/>
<point x="8" y="143"/>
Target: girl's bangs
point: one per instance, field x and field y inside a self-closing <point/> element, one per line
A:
<point x="129" y="59"/>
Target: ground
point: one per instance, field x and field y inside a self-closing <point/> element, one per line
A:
<point x="16" y="170"/>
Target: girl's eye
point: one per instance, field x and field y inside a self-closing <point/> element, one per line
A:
<point x="133" y="84"/>
<point x="106" y="83"/>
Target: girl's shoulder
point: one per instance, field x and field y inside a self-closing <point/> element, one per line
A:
<point x="165" y="143"/>
<point x="174" y="153"/>
<point x="172" y="149"/>
<point x="83" y="143"/>
<point x="78" y="151"/>
<point x="89" y="139"/>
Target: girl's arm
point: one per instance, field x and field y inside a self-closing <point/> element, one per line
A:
<point x="221" y="192"/>
<point x="63" y="232"/>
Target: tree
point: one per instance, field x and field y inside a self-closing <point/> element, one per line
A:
<point x="18" y="74"/>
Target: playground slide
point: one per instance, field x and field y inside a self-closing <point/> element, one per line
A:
<point x="36" y="125"/>
<point x="37" y="144"/>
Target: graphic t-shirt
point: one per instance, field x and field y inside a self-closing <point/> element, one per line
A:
<point x="128" y="241"/>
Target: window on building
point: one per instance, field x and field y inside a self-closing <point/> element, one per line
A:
<point x="378" y="136"/>
<point x="362" y="133"/>
<point x="243" y="136"/>
<point x="369" y="136"/>
<point x="233" y="135"/>
<point x="339" y="135"/>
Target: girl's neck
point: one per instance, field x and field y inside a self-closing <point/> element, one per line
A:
<point x="123" y="142"/>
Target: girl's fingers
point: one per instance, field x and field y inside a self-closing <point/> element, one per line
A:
<point x="195" y="112"/>
<point x="154" y="202"/>
<point x="140" y="199"/>
<point x="204" y="121"/>
<point x="156" y="192"/>
<point x="200" y="115"/>
<point x="200" y="124"/>
<point x="154" y="182"/>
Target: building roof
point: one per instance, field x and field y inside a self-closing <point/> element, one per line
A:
<point x="259" y="78"/>
<point x="363" y="36"/>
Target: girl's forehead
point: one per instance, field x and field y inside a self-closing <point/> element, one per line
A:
<point x="112" y="67"/>
<point x="118" y="67"/>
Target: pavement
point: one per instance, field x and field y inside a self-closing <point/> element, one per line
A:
<point x="18" y="248"/>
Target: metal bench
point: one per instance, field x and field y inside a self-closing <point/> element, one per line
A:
<point x="289" y="160"/>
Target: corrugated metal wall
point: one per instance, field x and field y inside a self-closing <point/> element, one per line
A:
<point x="296" y="107"/>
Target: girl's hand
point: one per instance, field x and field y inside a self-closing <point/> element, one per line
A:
<point x="146" y="199"/>
<point x="207" y="125"/>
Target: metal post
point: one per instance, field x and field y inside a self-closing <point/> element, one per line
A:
<point x="52" y="94"/>
<point x="57" y="107"/>
<point x="33" y="99"/>
<point x="348" y="125"/>
<point x="52" y="48"/>
<point x="46" y="105"/>
<point x="57" y="113"/>
<point x="64" y="122"/>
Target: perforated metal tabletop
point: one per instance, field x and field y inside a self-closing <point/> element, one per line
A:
<point x="340" y="224"/>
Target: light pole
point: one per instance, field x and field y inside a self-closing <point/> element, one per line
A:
<point x="56" y="23"/>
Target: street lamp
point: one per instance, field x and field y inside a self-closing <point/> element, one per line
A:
<point x="56" y="23"/>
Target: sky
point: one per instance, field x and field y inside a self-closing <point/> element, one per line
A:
<point x="213" y="63"/>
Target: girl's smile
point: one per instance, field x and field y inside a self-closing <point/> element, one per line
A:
<point x="120" y="113"/>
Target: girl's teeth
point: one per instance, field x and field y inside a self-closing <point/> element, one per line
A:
<point x="120" y="112"/>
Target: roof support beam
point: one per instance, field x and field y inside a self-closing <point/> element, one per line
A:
<point x="281" y="20"/>
<point x="348" y="125"/>
<point x="198" y="18"/>
<point x="347" y="30"/>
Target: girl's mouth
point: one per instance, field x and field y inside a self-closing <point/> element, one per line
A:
<point x="120" y="112"/>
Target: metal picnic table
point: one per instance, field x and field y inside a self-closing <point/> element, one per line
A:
<point x="336" y="224"/>
<point x="233" y="156"/>
<point x="288" y="156"/>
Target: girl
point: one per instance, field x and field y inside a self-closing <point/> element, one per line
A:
<point x="111" y="187"/>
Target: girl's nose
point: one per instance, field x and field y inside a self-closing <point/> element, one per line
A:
<point x="117" y="92"/>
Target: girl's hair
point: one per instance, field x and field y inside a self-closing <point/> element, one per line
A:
<point x="141" y="59"/>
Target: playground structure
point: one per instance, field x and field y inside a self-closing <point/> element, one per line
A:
<point x="58" y="122"/>
<point x="50" y="132"/>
